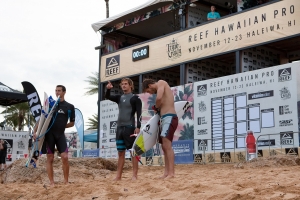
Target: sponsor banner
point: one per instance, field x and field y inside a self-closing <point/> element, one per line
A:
<point x="17" y="144"/>
<point x="79" y="124"/>
<point x="266" y="143"/>
<point x="90" y="153"/>
<point x="108" y="125"/>
<point x="262" y="101"/>
<point x="33" y="100"/>
<point x="287" y="138"/>
<point x="183" y="150"/>
<point x="264" y="24"/>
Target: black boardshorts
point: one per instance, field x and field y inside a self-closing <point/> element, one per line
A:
<point x="123" y="139"/>
<point x="52" y="139"/>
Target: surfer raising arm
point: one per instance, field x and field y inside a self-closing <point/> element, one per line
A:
<point x="128" y="104"/>
<point x="169" y="120"/>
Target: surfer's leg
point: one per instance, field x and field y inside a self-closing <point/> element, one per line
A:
<point x="121" y="151"/>
<point x="121" y="161"/>
<point x="166" y="162"/>
<point x="62" y="148"/>
<point x="169" y="125"/>
<point x="135" y="166"/>
<point x="169" y="158"/>
<point x="50" y="158"/>
<point x="128" y="141"/>
<point x="50" y="145"/>
<point x="65" y="166"/>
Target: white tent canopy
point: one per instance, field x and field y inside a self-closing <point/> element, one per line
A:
<point x="98" y="25"/>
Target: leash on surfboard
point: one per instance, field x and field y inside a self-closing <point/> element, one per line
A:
<point x="35" y="152"/>
<point x="137" y="157"/>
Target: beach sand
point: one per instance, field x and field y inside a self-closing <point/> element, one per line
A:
<point x="91" y="178"/>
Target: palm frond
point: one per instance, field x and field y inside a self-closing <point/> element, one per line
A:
<point x="93" y="122"/>
<point x="93" y="82"/>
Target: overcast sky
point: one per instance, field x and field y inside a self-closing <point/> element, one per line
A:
<point x="52" y="42"/>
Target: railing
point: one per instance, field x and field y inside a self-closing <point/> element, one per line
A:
<point x="242" y="154"/>
<point x="224" y="155"/>
<point x="211" y="156"/>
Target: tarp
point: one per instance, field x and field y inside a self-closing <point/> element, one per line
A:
<point x="98" y="25"/>
<point x="90" y="153"/>
<point x="90" y="137"/>
<point x="9" y="96"/>
<point x="183" y="150"/>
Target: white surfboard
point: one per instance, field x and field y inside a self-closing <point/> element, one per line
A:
<point x="45" y="109"/>
<point x="44" y="128"/>
<point x="147" y="138"/>
<point x="43" y="118"/>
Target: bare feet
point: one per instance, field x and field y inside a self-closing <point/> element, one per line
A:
<point x="117" y="179"/>
<point x="52" y="185"/>
<point x="162" y="177"/>
<point x="134" y="178"/>
<point x="169" y="177"/>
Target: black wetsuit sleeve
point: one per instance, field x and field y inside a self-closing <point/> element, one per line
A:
<point x="72" y="117"/>
<point x="138" y="108"/>
<point x="114" y="98"/>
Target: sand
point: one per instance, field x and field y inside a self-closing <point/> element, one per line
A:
<point x="91" y="178"/>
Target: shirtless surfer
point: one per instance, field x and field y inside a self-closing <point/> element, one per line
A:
<point x="165" y="106"/>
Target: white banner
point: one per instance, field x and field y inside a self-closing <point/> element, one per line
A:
<point x="17" y="144"/>
<point x="108" y="123"/>
<point x="264" y="101"/>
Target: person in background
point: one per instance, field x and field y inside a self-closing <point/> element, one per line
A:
<point x="213" y="14"/>
<point x="3" y="154"/>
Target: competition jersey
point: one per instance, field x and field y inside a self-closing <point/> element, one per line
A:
<point x="63" y="113"/>
<point x="129" y="104"/>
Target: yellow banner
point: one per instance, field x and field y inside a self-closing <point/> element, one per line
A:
<point x="249" y="28"/>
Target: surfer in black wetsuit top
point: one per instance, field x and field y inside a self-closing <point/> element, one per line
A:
<point x="56" y="135"/>
<point x="129" y="104"/>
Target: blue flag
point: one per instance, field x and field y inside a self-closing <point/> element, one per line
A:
<point x="79" y="125"/>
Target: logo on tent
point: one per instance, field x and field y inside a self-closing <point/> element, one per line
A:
<point x="287" y="138"/>
<point x="202" y="90"/>
<point x="4" y="88"/>
<point x="284" y="74"/>
<point x="112" y="66"/>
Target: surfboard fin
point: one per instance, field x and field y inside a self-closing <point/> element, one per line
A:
<point x="137" y="157"/>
